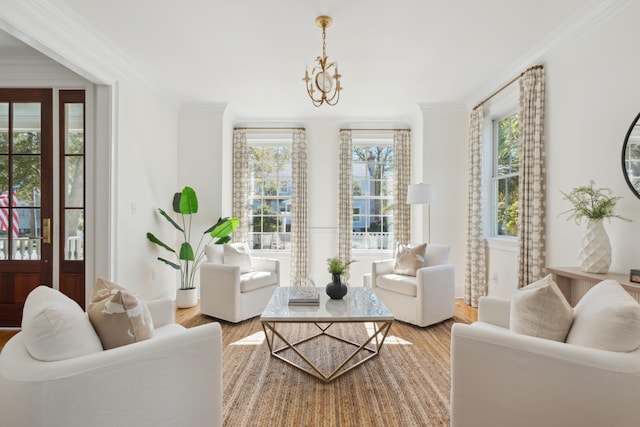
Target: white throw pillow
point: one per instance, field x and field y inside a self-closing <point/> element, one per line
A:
<point x="238" y="254"/>
<point x="436" y="255"/>
<point x="606" y="317"/>
<point x="55" y="327"/>
<point x="540" y="310"/>
<point x="214" y="253"/>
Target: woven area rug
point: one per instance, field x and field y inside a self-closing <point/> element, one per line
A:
<point x="407" y="384"/>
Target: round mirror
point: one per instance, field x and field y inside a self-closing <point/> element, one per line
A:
<point x="631" y="157"/>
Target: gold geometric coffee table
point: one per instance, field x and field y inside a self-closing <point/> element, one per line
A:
<point x="360" y="305"/>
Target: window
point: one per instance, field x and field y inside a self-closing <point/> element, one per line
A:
<point x="373" y="166"/>
<point x="269" y="192"/>
<point x="505" y="177"/>
<point x="72" y="177"/>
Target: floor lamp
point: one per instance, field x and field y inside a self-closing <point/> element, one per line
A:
<point x="422" y="194"/>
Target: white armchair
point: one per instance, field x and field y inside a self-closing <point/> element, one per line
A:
<point x="172" y="379"/>
<point x="229" y="294"/>
<point x="503" y="379"/>
<point x="423" y="300"/>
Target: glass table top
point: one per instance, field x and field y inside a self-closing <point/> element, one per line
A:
<point x="360" y="304"/>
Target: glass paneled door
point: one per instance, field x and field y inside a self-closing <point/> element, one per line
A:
<point x="26" y="172"/>
<point x="72" y="191"/>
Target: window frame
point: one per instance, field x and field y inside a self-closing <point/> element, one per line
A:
<point x="373" y="139"/>
<point x="495" y="178"/>
<point x="283" y="239"/>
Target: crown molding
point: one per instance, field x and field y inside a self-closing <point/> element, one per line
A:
<point x="56" y="31"/>
<point x="589" y="17"/>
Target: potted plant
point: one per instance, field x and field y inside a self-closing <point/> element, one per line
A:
<point x="188" y="259"/>
<point x="594" y="205"/>
<point x="336" y="289"/>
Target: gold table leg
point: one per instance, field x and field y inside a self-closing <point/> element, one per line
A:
<point x="377" y="338"/>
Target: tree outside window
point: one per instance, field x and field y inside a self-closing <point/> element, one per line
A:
<point x="269" y="196"/>
<point x="506" y="176"/>
<point x="373" y="168"/>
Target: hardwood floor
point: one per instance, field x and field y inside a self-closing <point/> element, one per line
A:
<point x="463" y="312"/>
<point x="5" y="335"/>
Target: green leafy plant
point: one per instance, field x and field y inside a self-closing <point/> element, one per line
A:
<point x="335" y="266"/>
<point x="591" y="203"/>
<point x="188" y="259"/>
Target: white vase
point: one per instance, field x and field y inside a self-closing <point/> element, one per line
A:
<point x="595" y="253"/>
<point x="186" y="298"/>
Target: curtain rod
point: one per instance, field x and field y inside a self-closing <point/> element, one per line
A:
<point x="370" y="130"/>
<point x="535" y="67"/>
<point x="259" y="128"/>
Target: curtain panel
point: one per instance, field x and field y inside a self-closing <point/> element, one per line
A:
<point x="401" y="181"/>
<point x="475" y="269"/>
<point x="345" y="193"/>
<point x="299" y="213"/>
<point x="240" y="187"/>
<point x="532" y="222"/>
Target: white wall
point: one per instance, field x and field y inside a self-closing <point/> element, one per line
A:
<point x="445" y="153"/>
<point x="592" y="95"/>
<point x="145" y="172"/>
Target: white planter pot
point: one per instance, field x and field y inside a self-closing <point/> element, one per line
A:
<point x="595" y="253"/>
<point x="186" y="298"/>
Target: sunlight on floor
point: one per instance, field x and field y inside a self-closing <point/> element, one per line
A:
<point x="391" y="339"/>
<point x="253" y="339"/>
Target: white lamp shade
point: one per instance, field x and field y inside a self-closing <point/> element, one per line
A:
<point x="421" y="194"/>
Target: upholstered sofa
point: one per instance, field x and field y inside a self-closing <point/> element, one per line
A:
<point x="171" y="379"/>
<point x="236" y="287"/>
<point x="501" y="378"/>
<point x="423" y="299"/>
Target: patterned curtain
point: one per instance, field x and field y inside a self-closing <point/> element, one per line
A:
<point x="345" y="190"/>
<point x="401" y="181"/>
<point x="475" y="284"/>
<point x="531" y="224"/>
<point x="240" y="187"/>
<point x="299" y="215"/>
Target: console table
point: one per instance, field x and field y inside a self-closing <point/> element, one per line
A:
<point x="574" y="283"/>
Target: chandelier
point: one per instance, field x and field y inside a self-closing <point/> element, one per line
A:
<point x="326" y="84"/>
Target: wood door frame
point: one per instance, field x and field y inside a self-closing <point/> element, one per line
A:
<point x="71" y="274"/>
<point x="18" y="278"/>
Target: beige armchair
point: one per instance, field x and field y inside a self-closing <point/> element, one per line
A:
<point x="423" y="300"/>
<point x="231" y="293"/>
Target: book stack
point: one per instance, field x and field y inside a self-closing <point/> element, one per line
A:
<point x="299" y="296"/>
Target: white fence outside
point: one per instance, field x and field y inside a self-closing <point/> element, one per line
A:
<point x="28" y="248"/>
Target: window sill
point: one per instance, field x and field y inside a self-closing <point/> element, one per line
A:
<point x="502" y="243"/>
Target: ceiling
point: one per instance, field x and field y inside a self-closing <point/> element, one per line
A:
<point x="393" y="56"/>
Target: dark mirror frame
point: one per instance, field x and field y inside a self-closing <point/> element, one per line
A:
<point x="625" y="171"/>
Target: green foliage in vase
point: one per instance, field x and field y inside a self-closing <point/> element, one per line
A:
<point x="591" y="203"/>
<point x="335" y="266"/>
<point x="185" y="203"/>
